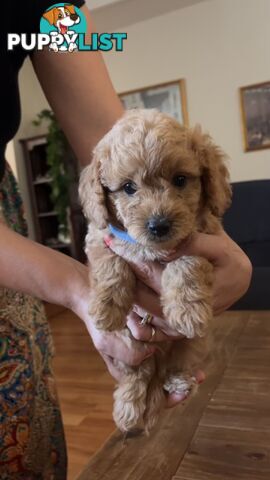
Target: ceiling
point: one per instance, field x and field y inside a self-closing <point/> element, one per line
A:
<point x="110" y="15"/>
<point x="94" y="4"/>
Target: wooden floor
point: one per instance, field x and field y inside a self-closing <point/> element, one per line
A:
<point x="222" y="433"/>
<point x="85" y="390"/>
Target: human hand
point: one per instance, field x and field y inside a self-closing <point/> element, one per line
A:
<point x="232" y="275"/>
<point x="232" y="267"/>
<point x="111" y="345"/>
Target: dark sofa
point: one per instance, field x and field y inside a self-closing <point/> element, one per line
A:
<point x="248" y="223"/>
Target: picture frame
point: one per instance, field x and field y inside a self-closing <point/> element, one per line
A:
<point x="255" y="110"/>
<point x="167" y="97"/>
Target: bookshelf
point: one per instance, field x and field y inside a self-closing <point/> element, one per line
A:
<point x="45" y="220"/>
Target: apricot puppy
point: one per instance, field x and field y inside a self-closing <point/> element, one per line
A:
<point x="156" y="182"/>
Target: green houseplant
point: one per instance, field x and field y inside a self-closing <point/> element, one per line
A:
<point x="57" y="146"/>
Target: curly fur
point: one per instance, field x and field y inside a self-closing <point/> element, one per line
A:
<point x="148" y="148"/>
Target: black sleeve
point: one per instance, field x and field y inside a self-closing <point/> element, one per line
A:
<point x="36" y="9"/>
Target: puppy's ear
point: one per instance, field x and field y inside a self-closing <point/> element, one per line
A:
<point x="49" y="16"/>
<point x="215" y="176"/>
<point x="70" y="8"/>
<point x="92" y="195"/>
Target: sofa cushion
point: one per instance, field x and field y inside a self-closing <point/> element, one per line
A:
<point x="248" y="223"/>
<point x="248" y="218"/>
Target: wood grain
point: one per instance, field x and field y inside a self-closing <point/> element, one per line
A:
<point x="85" y="390"/>
<point x="233" y="436"/>
<point x="159" y="456"/>
<point x="222" y="433"/>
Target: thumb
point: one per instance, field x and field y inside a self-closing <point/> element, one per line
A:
<point x="148" y="273"/>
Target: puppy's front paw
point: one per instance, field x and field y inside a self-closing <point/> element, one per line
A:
<point x="186" y="296"/>
<point x="72" y="47"/>
<point x="188" y="319"/>
<point x="112" y="290"/>
<point x="53" y="47"/>
<point x="107" y="314"/>
<point x="180" y="383"/>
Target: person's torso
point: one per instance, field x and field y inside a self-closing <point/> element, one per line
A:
<point x="17" y="17"/>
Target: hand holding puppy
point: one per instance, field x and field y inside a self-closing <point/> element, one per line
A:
<point x="232" y="275"/>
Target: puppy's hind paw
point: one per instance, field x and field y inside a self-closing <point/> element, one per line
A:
<point x="126" y="417"/>
<point x="129" y="404"/>
<point x="181" y="384"/>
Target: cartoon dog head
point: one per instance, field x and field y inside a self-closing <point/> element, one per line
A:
<point x="158" y="179"/>
<point x="62" y="17"/>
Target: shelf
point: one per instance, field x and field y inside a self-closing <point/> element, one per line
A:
<point x="36" y="142"/>
<point x="58" y="245"/>
<point x="47" y="214"/>
<point x="40" y="185"/>
<point x="42" y="181"/>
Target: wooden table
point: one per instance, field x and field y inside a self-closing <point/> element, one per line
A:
<point x="222" y="433"/>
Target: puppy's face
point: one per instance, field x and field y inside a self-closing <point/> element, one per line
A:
<point x="154" y="192"/>
<point x="153" y="172"/>
<point x="62" y="17"/>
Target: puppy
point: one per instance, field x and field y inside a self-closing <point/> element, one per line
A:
<point x="157" y="182"/>
<point x="62" y="18"/>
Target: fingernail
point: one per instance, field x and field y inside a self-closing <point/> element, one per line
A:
<point x="108" y="241"/>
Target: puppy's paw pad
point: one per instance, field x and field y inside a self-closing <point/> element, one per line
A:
<point x="180" y="384"/>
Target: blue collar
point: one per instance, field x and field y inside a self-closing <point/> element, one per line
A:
<point x="121" y="234"/>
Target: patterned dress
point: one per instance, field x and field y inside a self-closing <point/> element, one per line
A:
<point x="32" y="445"/>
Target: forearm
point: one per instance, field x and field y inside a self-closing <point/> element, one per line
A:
<point x="37" y="270"/>
<point x="80" y="92"/>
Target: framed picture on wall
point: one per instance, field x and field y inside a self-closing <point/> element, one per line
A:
<point x="169" y="98"/>
<point x="255" y="106"/>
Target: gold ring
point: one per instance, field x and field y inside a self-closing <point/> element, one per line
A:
<point x="147" y="318"/>
<point x="153" y="333"/>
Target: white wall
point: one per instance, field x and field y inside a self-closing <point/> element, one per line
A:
<point x="92" y="4"/>
<point x="216" y="45"/>
<point x="11" y="158"/>
<point x="32" y="102"/>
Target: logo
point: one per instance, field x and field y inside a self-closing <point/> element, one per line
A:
<point x="63" y="22"/>
<point x="62" y="29"/>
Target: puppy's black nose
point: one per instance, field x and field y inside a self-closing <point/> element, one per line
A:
<point x="74" y="16"/>
<point x="159" y="226"/>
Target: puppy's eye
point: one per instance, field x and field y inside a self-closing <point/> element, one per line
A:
<point x="129" y="188"/>
<point x="60" y="16"/>
<point x="180" y="181"/>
